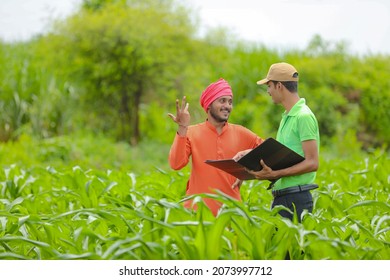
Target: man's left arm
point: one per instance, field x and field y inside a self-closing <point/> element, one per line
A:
<point x="310" y="164"/>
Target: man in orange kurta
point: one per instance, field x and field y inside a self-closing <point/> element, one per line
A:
<point x="213" y="139"/>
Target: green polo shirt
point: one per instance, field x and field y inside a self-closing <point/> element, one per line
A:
<point x="297" y="126"/>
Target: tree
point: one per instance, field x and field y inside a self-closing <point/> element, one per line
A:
<point x="120" y="52"/>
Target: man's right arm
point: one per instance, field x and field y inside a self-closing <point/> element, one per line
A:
<point x="181" y="149"/>
<point x="179" y="153"/>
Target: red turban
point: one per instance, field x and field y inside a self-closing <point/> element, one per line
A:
<point x="215" y="91"/>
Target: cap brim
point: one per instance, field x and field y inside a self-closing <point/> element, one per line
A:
<point x="263" y="81"/>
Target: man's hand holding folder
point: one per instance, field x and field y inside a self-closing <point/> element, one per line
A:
<point x="258" y="163"/>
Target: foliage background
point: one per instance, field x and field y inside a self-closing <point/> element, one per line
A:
<point x="116" y="67"/>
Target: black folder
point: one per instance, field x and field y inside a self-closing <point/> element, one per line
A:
<point x="273" y="153"/>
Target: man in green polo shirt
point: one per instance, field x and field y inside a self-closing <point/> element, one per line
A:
<point x="299" y="131"/>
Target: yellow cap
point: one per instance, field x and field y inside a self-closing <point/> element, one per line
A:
<point x="280" y="72"/>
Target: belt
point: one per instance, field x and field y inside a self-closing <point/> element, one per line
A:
<point x="295" y="189"/>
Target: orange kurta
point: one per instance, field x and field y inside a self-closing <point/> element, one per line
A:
<point x="202" y="142"/>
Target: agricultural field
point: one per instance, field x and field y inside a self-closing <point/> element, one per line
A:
<point x="72" y="212"/>
<point x="85" y="136"/>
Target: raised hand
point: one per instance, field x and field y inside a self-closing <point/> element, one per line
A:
<point x="182" y="117"/>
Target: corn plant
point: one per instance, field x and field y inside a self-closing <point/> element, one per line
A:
<point x="73" y="213"/>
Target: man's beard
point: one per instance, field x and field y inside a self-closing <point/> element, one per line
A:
<point x="213" y="113"/>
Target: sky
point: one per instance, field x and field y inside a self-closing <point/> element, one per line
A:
<point x="363" y="25"/>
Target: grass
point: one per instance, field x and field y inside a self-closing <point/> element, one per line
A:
<point x="119" y="204"/>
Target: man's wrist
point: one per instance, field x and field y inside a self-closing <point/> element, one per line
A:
<point x="182" y="131"/>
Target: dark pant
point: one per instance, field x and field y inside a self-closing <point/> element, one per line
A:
<point x="301" y="200"/>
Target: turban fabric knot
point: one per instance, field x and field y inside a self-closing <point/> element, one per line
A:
<point x="215" y="91"/>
